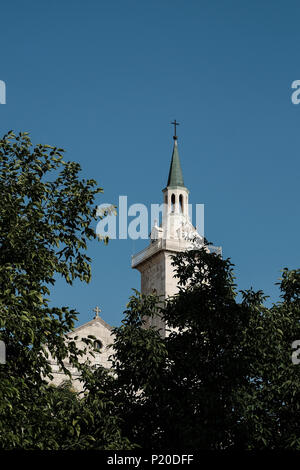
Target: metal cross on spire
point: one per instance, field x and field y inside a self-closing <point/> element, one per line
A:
<point x="175" y="123"/>
<point x="97" y="310"/>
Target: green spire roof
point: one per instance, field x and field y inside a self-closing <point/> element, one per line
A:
<point x="175" y="174"/>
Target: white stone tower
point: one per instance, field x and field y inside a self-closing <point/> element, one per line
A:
<point x="175" y="234"/>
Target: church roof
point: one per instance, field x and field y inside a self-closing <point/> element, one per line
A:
<point x="175" y="173"/>
<point x="90" y="323"/>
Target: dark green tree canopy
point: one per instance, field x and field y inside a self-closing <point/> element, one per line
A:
<point x="223" y="378"/>
<point x="46" y="214"/>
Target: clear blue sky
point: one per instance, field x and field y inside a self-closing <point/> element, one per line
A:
<point x="103" y="79"/>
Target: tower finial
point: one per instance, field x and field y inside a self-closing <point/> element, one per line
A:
<point x="175" y="123"/>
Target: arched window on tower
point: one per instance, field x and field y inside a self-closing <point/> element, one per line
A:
<point x="166" y="207"/>
<point x="173" y="203"/>
<point x="181" y="203"/>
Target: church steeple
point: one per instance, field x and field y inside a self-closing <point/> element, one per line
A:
<point x="175" y="174"/>
<point x="175" y="194"/>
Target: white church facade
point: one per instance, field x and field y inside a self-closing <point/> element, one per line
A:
<point x="175" y="234"/>
<point x="102" y="331"/>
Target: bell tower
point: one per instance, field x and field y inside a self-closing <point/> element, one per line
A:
<point x="173" y="235"/>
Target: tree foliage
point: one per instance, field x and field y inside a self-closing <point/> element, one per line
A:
<point x="46" y="214"/>
<point x="223" y="378"/>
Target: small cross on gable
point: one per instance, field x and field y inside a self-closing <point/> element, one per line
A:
<point x="97" y="310"/>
